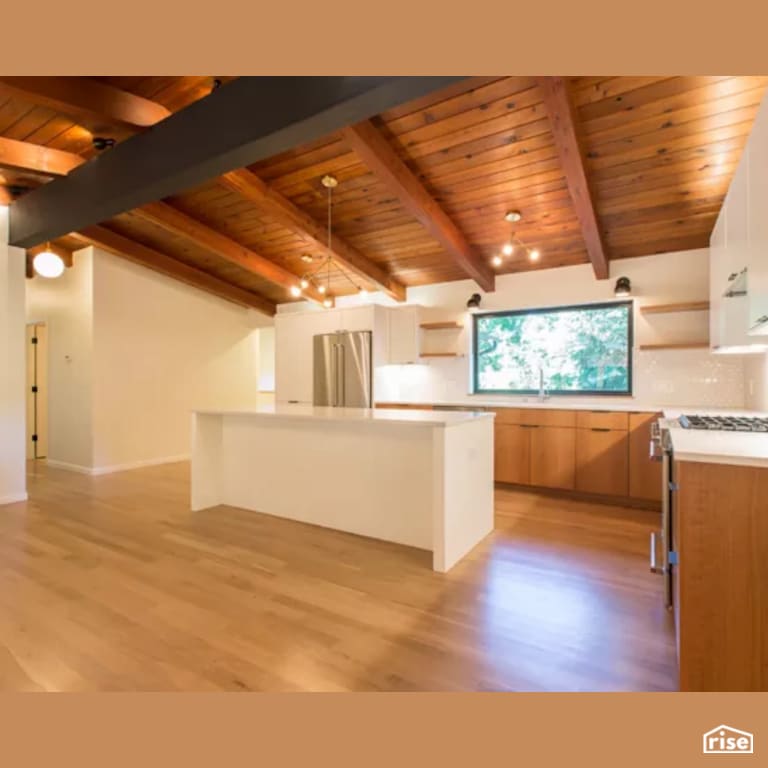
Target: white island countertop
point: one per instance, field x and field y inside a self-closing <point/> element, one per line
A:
<point x="355" y="415"/>
<point x="749" y="449"/>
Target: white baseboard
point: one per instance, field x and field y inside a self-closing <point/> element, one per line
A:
<point x="13" y="498"/>
<point x="108" y="470"/>
<point x="70" y="467"/>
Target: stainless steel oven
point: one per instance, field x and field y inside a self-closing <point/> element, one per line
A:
<point x="662" y="557"/>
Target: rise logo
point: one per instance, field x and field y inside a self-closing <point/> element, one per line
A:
<point x="729" y="741"/>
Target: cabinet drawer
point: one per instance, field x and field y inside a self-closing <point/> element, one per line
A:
<point x="547" y="417"/>
<point x="507" y="415"/>
<point x="602" y="420"/>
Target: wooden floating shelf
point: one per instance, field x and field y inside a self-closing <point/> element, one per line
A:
<point x="679" y="345"/>
<point x="441" y="326"/>
<point x="685" y="306"/>
<point x="441" y="354"/>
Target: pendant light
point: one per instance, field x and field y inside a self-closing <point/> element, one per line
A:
<point x="320" y="277"/>
<point x="512" y="245"/>
<point x="48" y="264"/>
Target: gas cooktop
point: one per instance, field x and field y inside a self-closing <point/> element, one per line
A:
<point x="725" y="423"/>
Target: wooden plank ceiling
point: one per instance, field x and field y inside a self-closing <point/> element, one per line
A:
<point x="600" y="168"/>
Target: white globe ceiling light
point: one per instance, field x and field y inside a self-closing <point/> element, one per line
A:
<point x="48" y="264"/>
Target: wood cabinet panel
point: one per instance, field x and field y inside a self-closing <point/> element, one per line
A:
<point x="722" y="606"/>
<point x="553" y="457"/>
<point x="512" y="454"/>
<point x="602" y="461"/>
<point x="602" y="420"/>
<point x="644" y="474"/>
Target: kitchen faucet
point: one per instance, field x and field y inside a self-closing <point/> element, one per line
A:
<point x="542" y="391"/>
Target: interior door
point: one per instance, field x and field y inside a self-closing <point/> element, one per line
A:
<point x="37" y="391"/>
<point x="354" y="360"/>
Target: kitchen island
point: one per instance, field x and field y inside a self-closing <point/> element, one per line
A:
<point x="419" y="478"/>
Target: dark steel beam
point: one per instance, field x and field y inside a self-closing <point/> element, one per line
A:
<point x="247" y="120"/>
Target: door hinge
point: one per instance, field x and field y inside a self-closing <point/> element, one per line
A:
<point x="34" y="438"/>
<point x="672" y="558"/>
<point x="34" y="388"/>
<point x="34" y="339"/>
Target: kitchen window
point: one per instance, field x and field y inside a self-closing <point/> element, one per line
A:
<point x="574" y="350"/>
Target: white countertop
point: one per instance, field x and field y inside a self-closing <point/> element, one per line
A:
<point x="748" y="449"/>
<point x="355" y="415"/>
<point x="555" y="403"/>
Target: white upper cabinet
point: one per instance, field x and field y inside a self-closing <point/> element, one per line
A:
<point x="403" y="335"/>
<point x="758" y="223"/>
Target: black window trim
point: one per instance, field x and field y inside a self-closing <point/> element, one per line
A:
<point x="559" y="392"/>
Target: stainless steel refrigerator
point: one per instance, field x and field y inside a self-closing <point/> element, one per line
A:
<point x="342" y="369"/>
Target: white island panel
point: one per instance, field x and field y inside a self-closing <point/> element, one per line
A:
<point x="419" y="479"/>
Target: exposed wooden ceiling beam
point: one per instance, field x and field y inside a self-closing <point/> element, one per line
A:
<point x="565" y="129"/>
<point x="380" y="157"/>
<point x="90" y="102"/>
<point x="32" y="158"/>
<point x="284" y="212"/>
<point x="244" y="121"/>
<point x="174" y="220"/>
<point x="159" y="262"/>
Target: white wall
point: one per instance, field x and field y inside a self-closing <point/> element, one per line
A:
<point x="12" y="369"/>
<point x="162" y="349"/>
<point x="65" y="305"/>
<point x="144" y="351"/>
<point x="673" y="377"/>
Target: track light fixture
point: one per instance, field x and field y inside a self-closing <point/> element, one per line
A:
<point x="623" y="287"/>
<point x="473" y="302"/>
<point x="101" y="143"/>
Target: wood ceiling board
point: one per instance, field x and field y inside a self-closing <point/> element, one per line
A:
<point x="586" y="90"/>
<point x="227" y="130"/>
<point x="723" y="96"/>
<point x="666" y="245"/>
<point x="635" y="98"/>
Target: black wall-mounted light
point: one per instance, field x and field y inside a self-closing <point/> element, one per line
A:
<point x="623" y="287"/>
<point x="101" y="143"/>
<point x="474" y="301"/>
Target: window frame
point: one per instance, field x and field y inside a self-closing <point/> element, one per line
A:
<point x="629" y="303"/>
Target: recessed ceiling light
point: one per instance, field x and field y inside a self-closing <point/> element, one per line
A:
<point x="513" y="216"/>
<point x="534" y="255"/>
<point x="508" y="249"/>
<point x="496" y="261"/>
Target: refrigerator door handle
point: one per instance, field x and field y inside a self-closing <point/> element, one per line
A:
<point x="335" y="375"/>
<point x="340" y="366"/>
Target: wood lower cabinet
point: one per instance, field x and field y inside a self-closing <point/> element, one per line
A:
<point x="512" y="454"/>
<point x="553" y="457"/>
<point x="644" y="473"/>
<point x="602" y="461"/>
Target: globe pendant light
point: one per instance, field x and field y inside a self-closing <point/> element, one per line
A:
<point x="48" y="264"/>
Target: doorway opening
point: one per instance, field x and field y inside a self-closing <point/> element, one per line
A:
<point x="37" y="391"/>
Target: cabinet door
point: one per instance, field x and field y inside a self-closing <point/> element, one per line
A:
<point x="404" y="335"/>
<point x="758" y="223"/>
<point x="602" y="461"/>
<point x="356" y="319"/>
<point x="718" y="278"/>
<point x="553" y="457"/>
<point x="644" y="474"/>
<point x="512" y="460"/>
